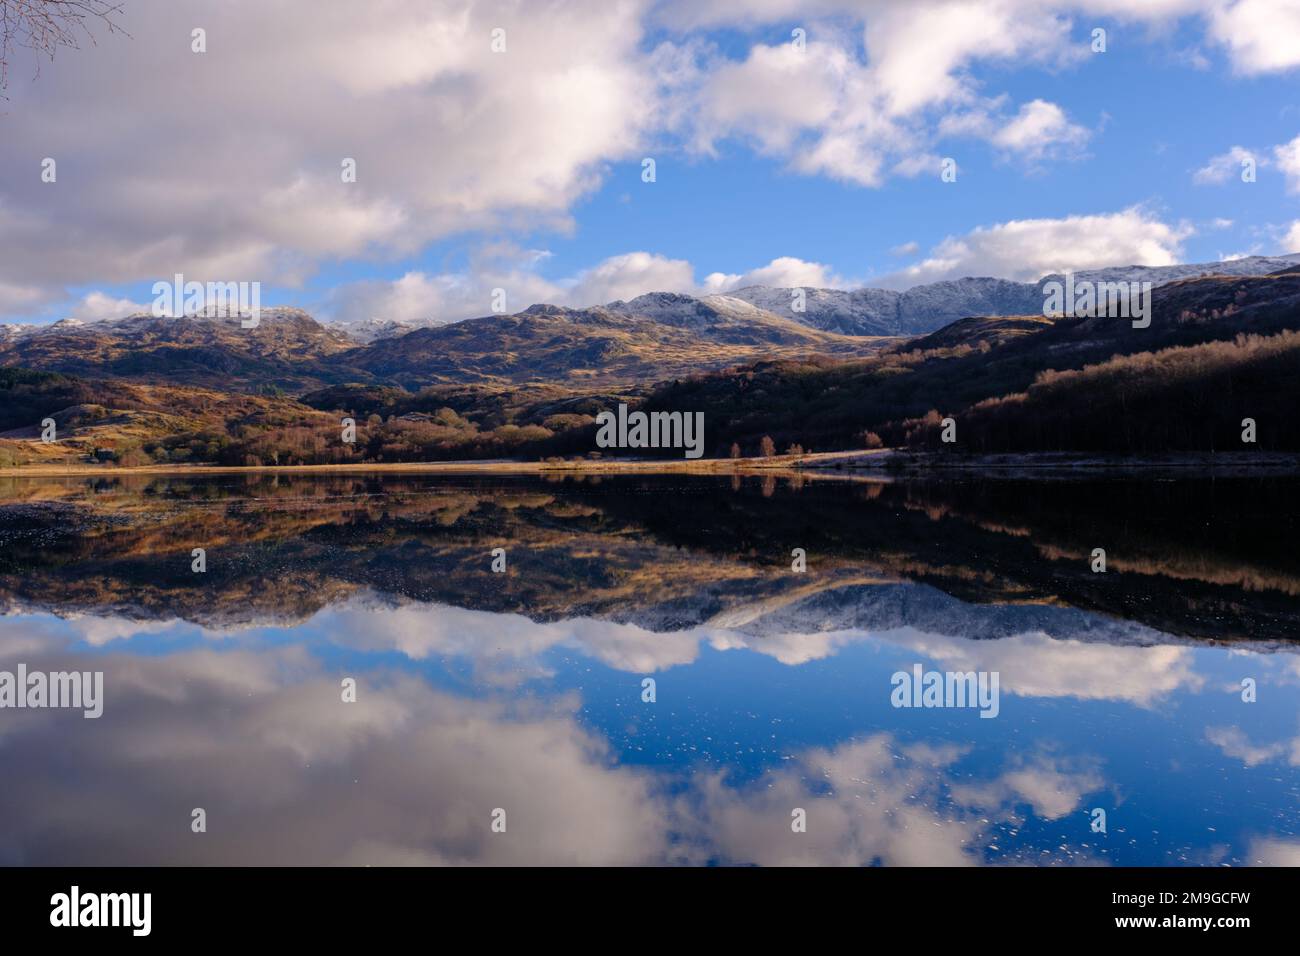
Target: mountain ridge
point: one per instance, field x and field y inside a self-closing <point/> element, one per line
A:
<point x="867" y="310"/>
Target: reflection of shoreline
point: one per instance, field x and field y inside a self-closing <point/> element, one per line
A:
<point x="664" y="552"/>
<point x="1080" y="465"/>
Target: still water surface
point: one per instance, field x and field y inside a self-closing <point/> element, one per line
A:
<point x="524" y="691"/>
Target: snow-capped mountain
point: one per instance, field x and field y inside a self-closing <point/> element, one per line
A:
<point x="373" y="329"/>
<point x="689" y="312"/>
<point x="867" y="311"/>
<point x="924" y="308"/>
<point x="1160" y="275"/>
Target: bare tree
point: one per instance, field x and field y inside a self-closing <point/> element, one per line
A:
<point x="45" y="25"/>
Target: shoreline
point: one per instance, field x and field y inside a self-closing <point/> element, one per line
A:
<point x="701" y="466"/>
<point x="882" y="463"/>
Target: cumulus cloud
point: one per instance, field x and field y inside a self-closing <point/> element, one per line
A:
<point x="1234" y="743"/>
<point x="859" y="117"/>
<point x="410" y="774"/>
<point x="630" y="275"/>
<point x="1291" y="242"/>
<point x="246" y="182"/>
<point x="1288" y="161"/>
<point x="1037" y="665"/>
<point x="451" y="297"/>
<point x="1037" y="129"/>
<point x="261" y="741"/>
<point x="1225" y="166"/>
<point x="1052" y="787"/>
<point x="1258" y="36"/>
<point x="828" y="111"/>
<point x="239" y="178"/>
<point x="99" y="305"/>
<point x="1032" y="664"/>
<point x="877" y="801"/>
<point x="784" y="272"/>
<point x="1027" y="249"/>
<point x="1274" y="852"/>
<point x="1261" y="36"/>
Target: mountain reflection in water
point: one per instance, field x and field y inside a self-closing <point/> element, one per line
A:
<point x="523" y="690"/>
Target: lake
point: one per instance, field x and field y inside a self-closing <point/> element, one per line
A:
<point x="660" y="670"/>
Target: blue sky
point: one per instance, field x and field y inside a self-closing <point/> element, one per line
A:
<point x="521" y="169"/>
<point x="1157" y="119"/>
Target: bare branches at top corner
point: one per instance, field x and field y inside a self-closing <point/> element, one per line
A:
<point x="44" y="26"/>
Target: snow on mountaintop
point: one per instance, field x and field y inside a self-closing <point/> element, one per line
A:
<point x="688" y="311"/>
<point x="865" y="311"/>
<point x="373" y="329"/>
<point x="925" y="308"/>
<point x="1160" y="275"/>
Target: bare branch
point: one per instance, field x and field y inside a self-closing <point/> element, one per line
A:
<point x="44" y="26"/>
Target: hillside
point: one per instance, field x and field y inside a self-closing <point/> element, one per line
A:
<point x="132" y="424"/>
<point x="1185" y="398"/>
<point x="825" y="404"/>
<point x="290" y="351"/>
<point x="930" y="306"/>
<point x="648" y="339"/>
<point x="1218" y="349"/>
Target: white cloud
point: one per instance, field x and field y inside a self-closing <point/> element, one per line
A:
<point x="1235" y="744"/>
<point x="1050" y="789"/>
<point x="1225" y="166"/>
<point x="905" y="249"/>
<point x="783" y="272"/>
<point x="880" y="801"/>
<point x="240" y="177"/>
<point x="1274" y="852"/>
<point x="630" y="275"/>
<point x="828" y="111"/>
<point x="99" y="305"/>
<point x="1031" y="664"/>
<point x="1027" y="249"/>
<point x="262" y="731"/>
<point x="813" y="107"/>
<point x="265" y="733"/>
<point x="451" y="297"/>
<point x="1291" y="243"/>
<point x="1288" y="161"/>
<point x="1261" y="36"/>
<point x="918" y="51"/>
<point x="1039" y="130"/>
